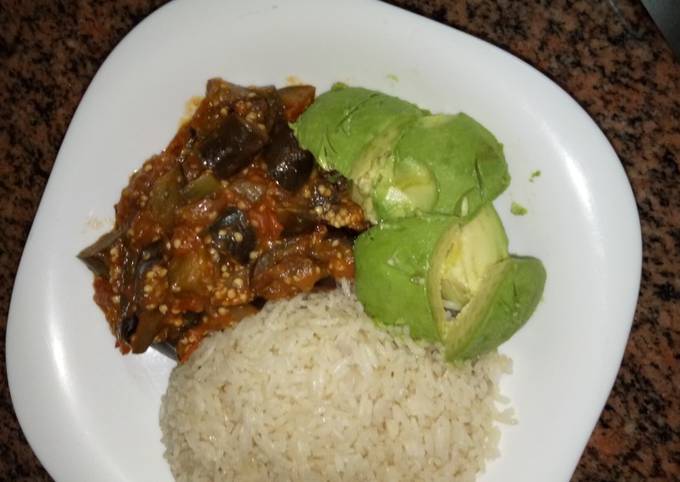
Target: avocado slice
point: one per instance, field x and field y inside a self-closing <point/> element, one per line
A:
<point x="401" y="265"/>
<point x="464" y="158"/>
<point x="481" y="243"/>
<point x="341" y="123"/>
<point x="506" y="299"/>
<point x="393" y="265"/>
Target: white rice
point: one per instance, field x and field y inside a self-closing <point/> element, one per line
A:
<point x="310" y="389"/>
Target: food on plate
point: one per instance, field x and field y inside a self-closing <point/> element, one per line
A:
<point x="335" y="279"/>
<point x="477" y="245"/>
<point x="517" y="209"/>
<point x="310" y="389"/>
<point x="344" y="121"/>
<point x="438" y="259"/>
<point x="231" y="214"/>
<point x="447" y="281"/>
<point x="236" y="212"/>
<point x="403" y="160"/>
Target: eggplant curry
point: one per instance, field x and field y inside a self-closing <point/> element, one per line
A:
<point x="231" y="214"/>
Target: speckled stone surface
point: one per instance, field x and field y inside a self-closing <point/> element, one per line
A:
<point x="606" y="53"/>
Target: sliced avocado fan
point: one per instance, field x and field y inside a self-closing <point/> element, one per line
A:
<point x="438" y="260"/>
<point x="403" y="267"/>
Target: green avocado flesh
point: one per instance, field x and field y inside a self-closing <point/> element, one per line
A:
<point x="393" y="271"/>
<point x="343" y="122"/>
<point x="402" y="265"/>
<point x="509" y="295"/>
<point x="464" y="158"/>
<point x="401" y="159"/>
<point x="437" y="261"/>
<point x="481" y="243"/>
<point x="517" y="209"/>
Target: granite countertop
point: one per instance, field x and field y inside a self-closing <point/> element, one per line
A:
<point x="607" y="54"/>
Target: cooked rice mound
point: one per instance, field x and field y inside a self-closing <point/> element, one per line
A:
<point x="310" y="389"/>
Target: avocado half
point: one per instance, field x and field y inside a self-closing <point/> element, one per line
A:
<point x="402" y="268"/>
<point x="402" y="160"/>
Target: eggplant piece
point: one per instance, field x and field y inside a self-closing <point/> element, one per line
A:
<point x="232" y="234"/>
<point x="295" y="100"/>
<point x="288" y="163"/>
<point x="191" y="319"/>
<point x="188" y="158"/>
<point x="168" y="347"/>
<point x="128" y="327"/>
<point x="262" y="102"/>
<point x="288" y="276"/>
<point x="129" y="281"/>
<point x="148" y="258"/>
<point x="135" y="266"/>
<point x="268" y="104"/>
<point x="290" y="247"/>
<point x="331" y="200"/>
<point x="327" y="283"/>
<point x="96" y="256"/>
<point x="147" y="329"/>
<point x="230" y="147"/>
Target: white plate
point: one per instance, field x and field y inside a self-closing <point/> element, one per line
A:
<point x="91" y="414"/>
